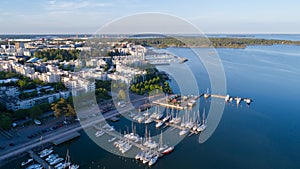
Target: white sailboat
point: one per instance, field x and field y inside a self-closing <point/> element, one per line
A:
<point x="203" y="125"/>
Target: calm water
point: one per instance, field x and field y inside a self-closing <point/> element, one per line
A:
<point x="264" y="136"/>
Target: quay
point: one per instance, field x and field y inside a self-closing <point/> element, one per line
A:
<point x="39" y="160"/>
<point x="66" y="138"/>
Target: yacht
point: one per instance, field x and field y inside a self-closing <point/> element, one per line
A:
<point x="45" y="152"/>
<point x="227" y="98"/>
<point x="159" y="124"/>
<point x="138" y="156"/>
<point x="112" y="139"/>
<point x="166" y="118"/>
<point x="206" y="95"/>
<point x="62" y="165"/>
<point x="153" y="160"/>
<point x="57" y="160"/>
<point x="177" y="120"/>
<point x="248" y="101"/>
<point x="192" y="103"/>
<point x="140" y="119"/>
<point x="26" y="162"/>
<point x="74" y="166"/>
<point x="51" y="157"/>
<point x="99" y="133"/>
<point x="147" y="158"/>
<point x="159" y="116"/>
<point x="183" y="132"/>
<point x="238" y="100"/>
<point x="168" y="150"/>
<point x="149" y="120"/>
<point x="35" y="166"/>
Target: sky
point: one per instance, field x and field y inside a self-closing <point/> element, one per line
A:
<point x="87" y="16"/>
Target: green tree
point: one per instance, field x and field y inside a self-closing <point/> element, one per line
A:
<point x="21" y="83"/>
<point x="35" y="112"/>
<point x="5" y="121"/>
<point x="20" y="114"/>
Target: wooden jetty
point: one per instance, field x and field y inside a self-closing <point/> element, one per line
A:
<point x="38" y="159"/>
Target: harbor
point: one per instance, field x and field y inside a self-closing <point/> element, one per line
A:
<point x="48" y="159"/>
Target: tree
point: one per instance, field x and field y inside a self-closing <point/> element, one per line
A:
<point x="20" y="114"/>
<point x="5" y="121"/>
<point x="63" y="108"/>
<point x="70" y="111"/>
<point x="21" y="83"/>
<point x="35" y="112"/>
<point x="60" y="108"/>
<point x="122" y="94"/>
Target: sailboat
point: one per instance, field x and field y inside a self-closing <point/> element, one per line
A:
<point x="167" y="116"/>
<point x="203" y="125"/>
<point x="161" y="146"/>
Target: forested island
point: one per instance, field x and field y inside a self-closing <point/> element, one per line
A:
<point x="164" y="42"/>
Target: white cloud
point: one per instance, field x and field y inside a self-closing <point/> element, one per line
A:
<point x="73" y="5"/>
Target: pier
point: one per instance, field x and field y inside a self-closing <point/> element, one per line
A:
<point x="183" y="104"/>
<point x="38" y="159"/>
<point x="66" y="138"/>
<point x="111" y="133"/>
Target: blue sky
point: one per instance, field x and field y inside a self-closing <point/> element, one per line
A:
<point x="87" y="16"/>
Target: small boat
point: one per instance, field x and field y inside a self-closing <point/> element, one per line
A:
<point x="26" y="162"/>
<point x="112" y="139"/>
<point x="166" y="118"/>
<point x="74" y="166"/>
<point x="35" y="166"/>
<point x="138" y="156"/>
<point x="227" y="98"/>
<point x="159" y="116"/>
<point x="192" y="103"/>
<point x="58" y="160"/>
<point x="159" y="124"/>
<point x="99" y="133"/>
<point x="149" y="120"/>
<point x="168" y="150"/>
<point x="45" y="152"/>
<point x="140" y="119"/>
<point x="153" y="160"/>
<point x="183" y="132"/>
<point x="177" y="120"/>
<point x="238" y="100"/>
<point x="51" y="157"/>
<point x="147" y="158"/>
<point x="62" y="165"/>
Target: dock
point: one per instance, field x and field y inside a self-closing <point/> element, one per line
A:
<point x="38" y="159"/>
<point x="117" y="135"/>
<point x="66" y="138"/>
<point x="179" y="106"/>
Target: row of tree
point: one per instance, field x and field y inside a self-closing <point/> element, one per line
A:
<point x="57" y="54"/>
<point x="150" y="85"/>
<point x="227" y="42"/>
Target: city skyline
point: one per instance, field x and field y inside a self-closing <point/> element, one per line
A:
<point x="87" y="16"/>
